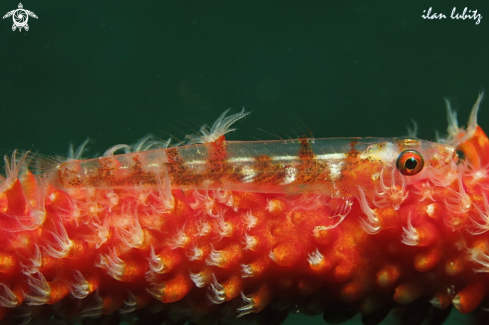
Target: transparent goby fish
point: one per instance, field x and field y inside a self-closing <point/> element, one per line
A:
<point x="335" y="166"/>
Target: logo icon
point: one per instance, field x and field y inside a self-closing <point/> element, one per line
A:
<point x="20" y="17"/>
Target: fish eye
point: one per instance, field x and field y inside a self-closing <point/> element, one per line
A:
<point x="410" y="162"/>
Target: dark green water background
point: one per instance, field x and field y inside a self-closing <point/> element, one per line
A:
<point x="114" y="71"/>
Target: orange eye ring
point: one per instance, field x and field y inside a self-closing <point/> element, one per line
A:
<point x="410" y="162"/>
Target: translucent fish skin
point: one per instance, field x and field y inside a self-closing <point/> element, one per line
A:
<point x="287" y="166"/>
<point x="241" y="232"/>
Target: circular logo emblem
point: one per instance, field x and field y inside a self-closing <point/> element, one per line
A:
<point x="20" y="17"/>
